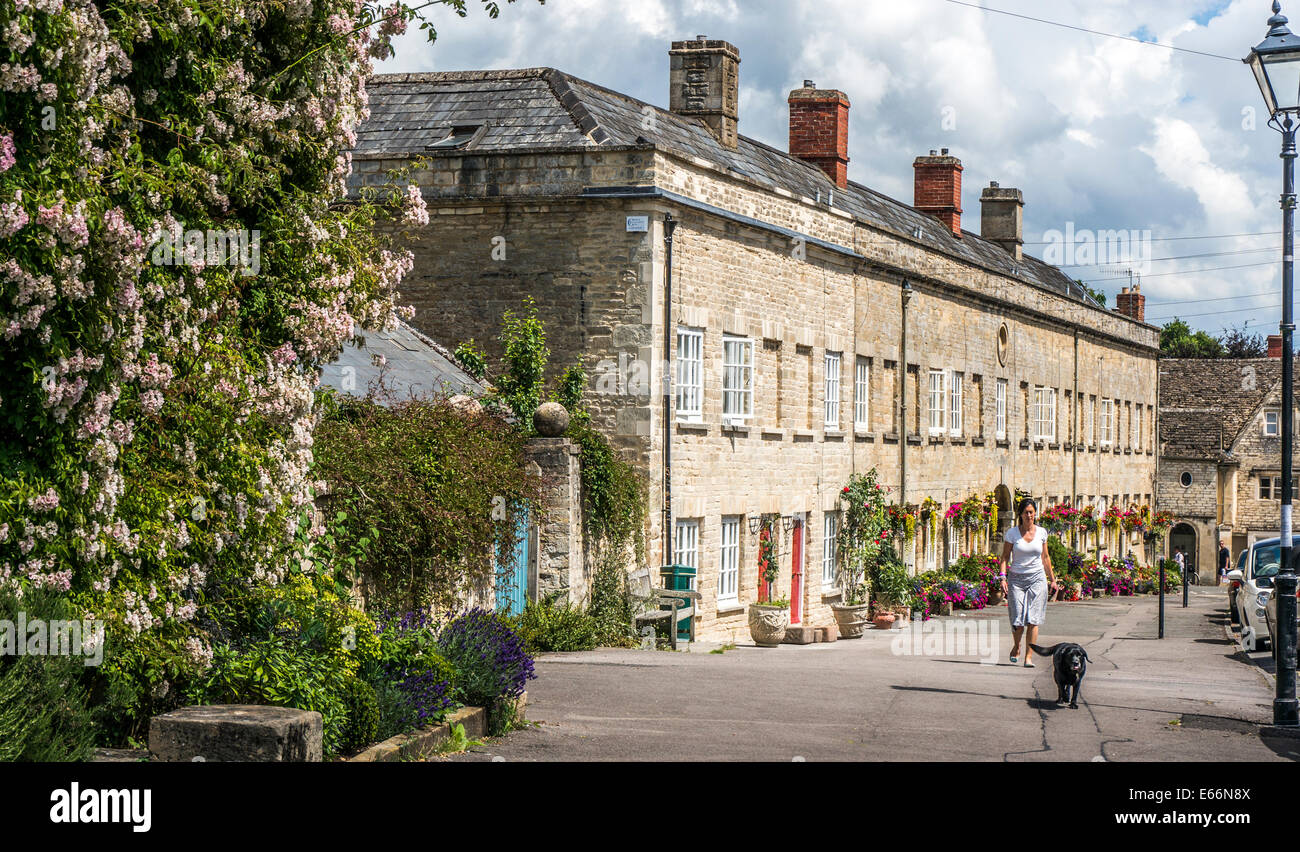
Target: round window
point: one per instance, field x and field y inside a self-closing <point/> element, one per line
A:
<point x="1186" y="479"/>
<point x="1003" y="336"/>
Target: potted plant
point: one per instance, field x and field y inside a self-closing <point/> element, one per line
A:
<point x="768" y="619"/>
<point x="865" y="528"/>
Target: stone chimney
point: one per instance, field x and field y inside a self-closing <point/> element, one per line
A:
<point x="704" y="82"/>
<point x="1275" y="346"/>
<point x="938" y="188"/>
<point x="819" y="130"/>
<point x="1002" y="218"/>
<point x="1131" y="303"/>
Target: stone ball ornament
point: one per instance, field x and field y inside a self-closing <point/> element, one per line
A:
<point x="550" y="420"/>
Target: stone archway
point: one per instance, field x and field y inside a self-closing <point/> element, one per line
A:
<point x="1184" y="535"/>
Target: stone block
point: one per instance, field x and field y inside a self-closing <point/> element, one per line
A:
<point x="800" y="635"/>
<point x="830" y="633"/>
<point x="237" y="732"/>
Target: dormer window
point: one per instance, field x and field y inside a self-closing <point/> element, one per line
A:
<point x="1270" y="423"/>
<point x="458" y="137"/>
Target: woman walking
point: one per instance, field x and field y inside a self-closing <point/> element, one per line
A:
<point x="1026" y="568"/>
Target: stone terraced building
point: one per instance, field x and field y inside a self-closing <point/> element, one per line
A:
<point x="811" y="327"/>
<point x="1221" y="453"/>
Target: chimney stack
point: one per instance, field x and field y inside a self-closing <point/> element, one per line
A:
<point x="819" y="130"/>
<point x="1002" y="218"/>
<point x="938" y="188"/>
<point x="1131" y="303"/>
<point x="704" y="82"/>
<point x="1275" y="346"/>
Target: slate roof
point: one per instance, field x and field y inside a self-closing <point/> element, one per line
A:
<point x="1203" y="397"/>
<point x="540" y="108"/>
<point x="416" y="366"/>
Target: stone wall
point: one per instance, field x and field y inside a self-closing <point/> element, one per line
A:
<point x="559" y="568"/>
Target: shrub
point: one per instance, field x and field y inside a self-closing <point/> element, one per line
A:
<point x="611" y="604"/>
<point x="361" y="705"/>
<point x="43" y="712"/>
<point x="1058" y="553"/>
<point x="489" y="657"/>
<point x="890" y="582"/>
<point x="548" y="627"/>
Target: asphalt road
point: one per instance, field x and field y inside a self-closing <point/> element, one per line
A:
<point x="891" y="697"/>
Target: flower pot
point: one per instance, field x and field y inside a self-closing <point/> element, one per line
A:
<point x="884" y="621"/>
<point x="995" y="595"/>
<point x="902" y="615"/>
<point x="850" y="619"/>
<point x="767" y="624"/>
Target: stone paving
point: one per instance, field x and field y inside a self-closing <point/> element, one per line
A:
<point x="1190" y="696"/>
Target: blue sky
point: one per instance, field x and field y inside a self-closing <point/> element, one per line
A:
<point x="1101" y="133"/>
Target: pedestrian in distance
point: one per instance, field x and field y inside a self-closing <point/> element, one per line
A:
<point x="1224" y="556"/>
<point x="1026" y="569"/>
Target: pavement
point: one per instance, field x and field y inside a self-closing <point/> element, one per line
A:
<point x="920" y="695"/>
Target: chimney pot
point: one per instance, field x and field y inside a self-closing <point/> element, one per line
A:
<point x="937" y="189"/>
<point x="944" y="151"/>
<point x="819" y="130"/>
<point x="1002" y="218"/>
<point x="704" y="83"/>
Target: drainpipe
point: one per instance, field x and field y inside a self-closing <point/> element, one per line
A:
<point x="1076" y="412"/>
<point x="902" y="399"/>
<point x="670" y="225"/>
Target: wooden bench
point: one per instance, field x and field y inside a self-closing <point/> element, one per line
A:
<point x="681" y="605"/>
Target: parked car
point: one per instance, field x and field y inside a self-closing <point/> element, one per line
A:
<point x="1233" y="585"/>
<point x="1270" y="614"/>
<point x="1263" y="562"/>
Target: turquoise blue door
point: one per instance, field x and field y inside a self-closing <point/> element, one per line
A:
<point x="512" y="571"/>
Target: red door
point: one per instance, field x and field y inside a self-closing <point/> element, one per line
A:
<point x="796" y="574"/>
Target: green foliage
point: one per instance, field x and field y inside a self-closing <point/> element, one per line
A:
<point x="523" y="340"/>
<point x="890" y="581"/>
<point x="430" y="488"/>
<point x="568" y="392"/>
<point x="863" y="530"/>
<point x="611" y="607"/>
<point x="1099" y="295"/>
<point x="613" y="496"/>
<point x="1178" y="341"/>
<point x="550" y="627"/>
<point x="1238" y="344"/>
<point x="472" y="359"/>
<point x="1058" y="553"/>
<point x="361" y="705"/>
<point x="43" y="711"/>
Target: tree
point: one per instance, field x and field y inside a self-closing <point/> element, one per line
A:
<point x="1237" y="344"/>
<point x="1178" y="341"/>
<point x="1099" y="295"/>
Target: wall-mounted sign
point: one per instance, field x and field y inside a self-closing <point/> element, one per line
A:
<point x="638" y="224"/>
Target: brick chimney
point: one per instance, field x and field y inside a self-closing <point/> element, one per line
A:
<point x="1131" y="303"/>
<point x="1002" y="218"/>
<point x="704" y="82"/>
<point x="938" y="188"/>
<point x="819" y="129"/>
<point x="1275" y="346"/>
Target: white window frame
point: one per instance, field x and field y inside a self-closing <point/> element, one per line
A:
<point x="729" y="559"/>
<point x="936" y="402"/>
<point x="955" y="404"/>
<point x="953" y="543"/>
<point x="737" y="378"/>
<point x="830" y="529"/>
<point x="1044" y="413"/>
<point x="690" y="374"/>
<point x="1000" y="421"/>
<point x="1276" y="417"/>
<point x="1107" y="419"/>
<point x="862" y="394"/>
<point x="686" y="544"/>
<point x="832" y="391"/>
<point x="931" y="550"/>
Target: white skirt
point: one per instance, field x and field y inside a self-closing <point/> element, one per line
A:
<point x="1027" y="598"/>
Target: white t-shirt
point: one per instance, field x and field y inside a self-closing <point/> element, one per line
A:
<point x="1026" y="556"/>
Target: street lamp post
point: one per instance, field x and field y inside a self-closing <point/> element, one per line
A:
<point x="1276" y="63"/>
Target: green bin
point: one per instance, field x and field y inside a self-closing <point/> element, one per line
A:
<point x="679" y="578"/>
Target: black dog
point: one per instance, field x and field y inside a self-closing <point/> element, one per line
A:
<point x="1069" y="663"/>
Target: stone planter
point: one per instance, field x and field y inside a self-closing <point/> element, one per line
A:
<point x="884" y="621"/>
<point x="850" y="619"/>
<point x="767" y="624"/>
<point x="995" y="596"/>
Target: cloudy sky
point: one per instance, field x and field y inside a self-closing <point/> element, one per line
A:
<point x="1098" y="132"/>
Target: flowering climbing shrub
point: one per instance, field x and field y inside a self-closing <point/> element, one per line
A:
<point x="864" y="530"/>
<point x="175" y="263"/>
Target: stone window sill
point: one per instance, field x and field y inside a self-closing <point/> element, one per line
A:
<point x="977" y="442"/>
<point x="779" y="434"/>
<point x="935" y="439"/>
<point x="1003" y="443"/>
<point x="865" y="436"/>
<point x="914" y="439"/>
<point x="806" y="434"/>
<point x="832" y="435"/>
<point x="689" y="426"/>
<point x="737" y="428"/>
<point x="957" y="442"/>
<point x="1128" y="451"/>
<point x="729" y="608"/>
<point x="1024" y="443"/>
<point x="1053" y="446"/>
<point x="890" y="437"/>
